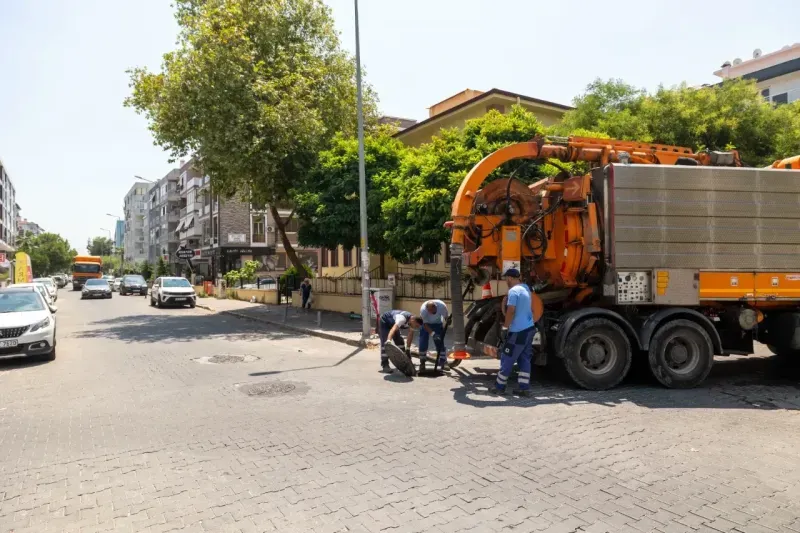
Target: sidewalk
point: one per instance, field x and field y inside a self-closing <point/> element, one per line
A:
<point x="334" y="326"/>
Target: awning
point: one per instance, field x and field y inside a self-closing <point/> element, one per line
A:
<point x="179" y="226"/>
<point x="189" y="222"/>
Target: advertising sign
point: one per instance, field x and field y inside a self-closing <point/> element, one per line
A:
<point x="22" y="270"/>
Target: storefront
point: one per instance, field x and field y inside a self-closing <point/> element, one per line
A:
<point x="226" y="258"/>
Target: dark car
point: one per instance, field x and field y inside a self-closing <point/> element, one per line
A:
<point x="133" y="284"/>
<point x="96" y="288"/>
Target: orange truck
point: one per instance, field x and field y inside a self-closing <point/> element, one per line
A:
<point x="658" y="253"/>
<point x="85" y="267"/>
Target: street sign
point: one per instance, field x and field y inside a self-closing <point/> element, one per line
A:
<point x="184" y="253"/>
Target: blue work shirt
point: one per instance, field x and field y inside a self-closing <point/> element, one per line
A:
<point x="520" y="297"/>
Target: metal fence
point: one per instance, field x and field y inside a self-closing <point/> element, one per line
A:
<point x="421" y="285"/>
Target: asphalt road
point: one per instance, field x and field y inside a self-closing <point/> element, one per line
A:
<point x="138" y="427"/>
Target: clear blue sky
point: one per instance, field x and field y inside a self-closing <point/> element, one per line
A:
<point x="72" y="149"/>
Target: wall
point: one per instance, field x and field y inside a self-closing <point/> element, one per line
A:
<point x="262" y="296"/>
<point x="390" y="265"/>
<point x="788" y="83"/>
<point x="234" y="217"/>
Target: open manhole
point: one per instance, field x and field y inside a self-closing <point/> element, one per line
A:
<point x="226" y="359"/>
<point x="272" y="388"/>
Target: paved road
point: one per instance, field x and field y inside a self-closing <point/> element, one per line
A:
<point x="131" y="429"/>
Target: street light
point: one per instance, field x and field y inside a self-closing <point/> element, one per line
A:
<point x="143" y="179"/>
<point x="362" y="193"/>
<point x="109" y="232"/>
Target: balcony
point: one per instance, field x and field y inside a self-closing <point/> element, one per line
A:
<point x="259" y="238"/>
<point x="192" y="184"/>
<point x="173" y="216"/>
<point x="182" y="212"/>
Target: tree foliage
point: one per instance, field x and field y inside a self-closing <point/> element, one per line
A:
<point x="101" y="246"/>
<point x="255" y="89"/>
<point x="730" y="115"/>
<point x="328" y="206"/>
<point x="50" y="253"/>
<point x="112" y="263"/>
<point x="145" y="269"/>
<point x="162" y="269"/>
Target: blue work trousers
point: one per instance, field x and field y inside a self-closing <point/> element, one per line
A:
<point x="518" y="348"/>
<point x="383" y="333"/>
<point x="438" y="340"/>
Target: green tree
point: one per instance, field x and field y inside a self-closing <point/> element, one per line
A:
<point x="49" y="253"/>
<point x="256" y="90"/>
<point x="248" y="271"/>
<point x="161" y="268"/>
<point x="100" y="246"/>
<point x="328" y="208"/>
<point x="145" y="269"/>
<point x="725" y="116"/>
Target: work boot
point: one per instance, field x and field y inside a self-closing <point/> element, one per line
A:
<point x="522" y="393"/>
<point x="385" y="368"/>
<point x="494" y="390"/>
<point x="422" y="360"/>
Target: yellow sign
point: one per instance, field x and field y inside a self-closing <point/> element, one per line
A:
<point x="22" y="268"/>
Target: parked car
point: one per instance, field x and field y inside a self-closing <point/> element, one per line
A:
<point x="172" y="291"/>
<point x="40" y="288"/>
<point x="27" y="324"/>
<point x="133" y="284"/>
<point x="96" y="288"/>
<point x="51" y="286"/>
<point x="61" y="280"/>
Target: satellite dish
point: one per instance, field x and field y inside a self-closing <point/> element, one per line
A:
<point x="756" y="53"/>
<point x="737" y="61"/>
<point x="785" y="47"/>
<point x="726" y="64"/>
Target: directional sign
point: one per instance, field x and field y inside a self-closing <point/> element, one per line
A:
<point x="184" y="253"/>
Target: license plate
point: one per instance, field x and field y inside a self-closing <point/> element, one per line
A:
<point x="9" y="344"/>
<point x="180" y="299"/>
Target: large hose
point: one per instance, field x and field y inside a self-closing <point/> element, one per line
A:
<point x="456" y="300"/>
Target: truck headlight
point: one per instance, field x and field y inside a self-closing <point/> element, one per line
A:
<point x="40" y="325"/>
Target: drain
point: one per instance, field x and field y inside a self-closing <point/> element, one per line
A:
<point x="226" y="359"/>
<point x="268" y="388"/>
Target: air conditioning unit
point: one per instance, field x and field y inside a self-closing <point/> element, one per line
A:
<point x="270" y="229"/>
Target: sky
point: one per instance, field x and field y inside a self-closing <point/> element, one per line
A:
<point x="72" y="149"/>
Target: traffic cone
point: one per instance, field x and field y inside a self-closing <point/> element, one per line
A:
<point x="486" y="292"/>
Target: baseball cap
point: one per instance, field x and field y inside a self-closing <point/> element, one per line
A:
<point x="511" y="273"/>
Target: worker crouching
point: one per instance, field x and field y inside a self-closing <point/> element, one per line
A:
<point x="391" y="323"/>
<point x="517" y="335"/>
<point x="434" y="316"/>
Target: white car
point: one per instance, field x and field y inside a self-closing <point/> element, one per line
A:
<point x="172" y="291"/>
<point x="51" y="286"/>
<point x="27" y="324"/>
<point x="40" y="288"/>
<point x="115" y="284"/>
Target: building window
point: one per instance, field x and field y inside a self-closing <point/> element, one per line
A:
<point x="446" y="254"/>
<point x="430" y="259"/>
<point x="335" y="257"/>
<point x="348" y="257"/>
<point x="358" y="257"/>
<point x="765" y="94"/>
<point x="258" y="229"/>
<point x="779" y="99"/>
<point x="324" y="253"/>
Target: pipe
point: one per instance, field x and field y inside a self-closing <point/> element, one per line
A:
<point x="457" y="301"/>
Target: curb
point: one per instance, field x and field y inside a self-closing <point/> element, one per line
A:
<point x="323" y="335"/>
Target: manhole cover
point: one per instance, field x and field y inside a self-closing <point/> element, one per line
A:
<point x="268" y="388"/>
<point x="225" y="359"/>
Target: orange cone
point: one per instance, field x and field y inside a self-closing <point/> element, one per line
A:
<point x="486" y="292"/>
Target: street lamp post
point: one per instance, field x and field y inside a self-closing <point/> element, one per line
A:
<point x="143" y="179"/>
<point x="362" y="193"/>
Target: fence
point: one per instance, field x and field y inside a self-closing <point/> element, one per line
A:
<point x="421" y="284"/>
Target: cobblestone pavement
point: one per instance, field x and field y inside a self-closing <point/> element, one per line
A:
<point x="135" y="428"/>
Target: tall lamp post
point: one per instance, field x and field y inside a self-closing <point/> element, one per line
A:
<point x="362" y="193"/>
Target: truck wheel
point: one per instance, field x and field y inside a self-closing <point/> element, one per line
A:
<point x="681" y="354"/>
<point x="785" y="353"/>
<point x="597" y="354"/>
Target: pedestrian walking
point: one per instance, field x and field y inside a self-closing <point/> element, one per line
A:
<point x="434" y="316"/>
<point x="389" y="327"/>
<point x="517" y="336"/>
<point x="305" y="292"/>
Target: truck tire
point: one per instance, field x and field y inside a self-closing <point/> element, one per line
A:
<point x="597" y="354"/>
<point x="681" y="354"/>
<point x="785" y="353"/>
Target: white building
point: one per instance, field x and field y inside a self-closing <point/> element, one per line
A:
<point x="24" y="226"/>
<point x="135" y="242"/>
<point x="777" y="74"/>
<point x="9" y="211"/>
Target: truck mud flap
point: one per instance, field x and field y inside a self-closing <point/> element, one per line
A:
<point x="400" y="360"/>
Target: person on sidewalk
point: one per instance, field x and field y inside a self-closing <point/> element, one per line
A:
<point x="517" y="336"/>
<point x="389" y="327"/>
<point x="434" y="315"/>
<point x="305" y="292"/>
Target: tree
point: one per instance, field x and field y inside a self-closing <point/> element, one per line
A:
<point x="161" y="268"/>
<point x="730" y="115"/>
<point x="49" y="253"/>
<point x="256" y="89"/>
<point x="328" y="207"/>
<point x="145" y="269"/>
<point x="101" y="246"/>
<point x="112" y="263"/>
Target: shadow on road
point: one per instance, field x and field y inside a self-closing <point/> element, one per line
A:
<point x="764" y="383"/>
<point x="273" y="372"/>
<point x="177" y="328"/>
<point x="20" y="362"/>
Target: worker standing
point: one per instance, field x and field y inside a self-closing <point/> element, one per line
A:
<point x="434" y="316"/>
<point x="389" y="329"/>
<point x="305" y="292"/>
<point x="517" y="335"/>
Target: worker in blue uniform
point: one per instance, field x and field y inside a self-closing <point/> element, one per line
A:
<point x="391" y="323"/>
<point x="434" y="316"/>
<point x="517" y="336"/>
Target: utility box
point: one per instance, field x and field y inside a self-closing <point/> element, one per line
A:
<point x="382" y="300"/>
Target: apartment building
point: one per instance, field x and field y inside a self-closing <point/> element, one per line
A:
<point x="777" y="74"/>
<point x="164" y="206"/>
<point x="135" y="242"/>
<point x="28" y="226"/>
<point x="119" y="234"/>
<point x="9" y="211"/>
